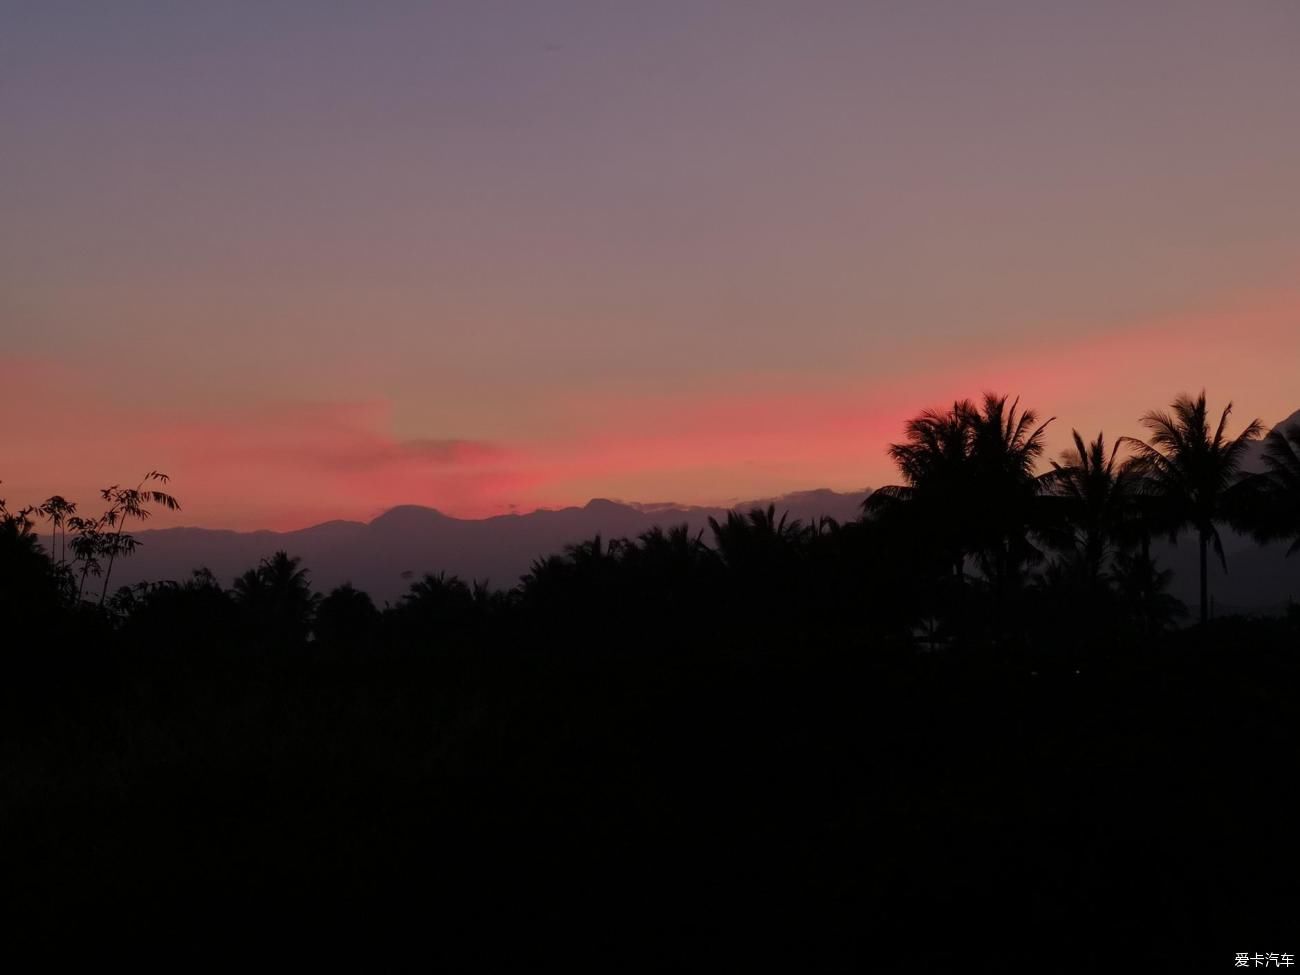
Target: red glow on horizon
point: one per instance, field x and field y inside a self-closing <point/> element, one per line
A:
<point x="291" y="464"/>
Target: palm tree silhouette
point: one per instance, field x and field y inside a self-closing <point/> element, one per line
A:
<point x="277" y="596"/>
<point x="441" y="594"/>
<point x="676" y="547"/>
<point x="1005" y="446"/>
<point x="1191" y="470"/>
<point x="755" y="538"/>
<point x="1275" y="514"/>
<point x="546" y="576"/>
<point x="934" y="463"/>
<point x="1096" y="512"/>
<point x="971" y="471"/>
<point x="594" y="559"/>
<point x="435" y="606"/>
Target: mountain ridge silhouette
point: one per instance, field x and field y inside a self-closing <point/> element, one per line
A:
<point x="382" y="556"/>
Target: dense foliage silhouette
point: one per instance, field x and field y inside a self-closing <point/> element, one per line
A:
<point x="960" y="731"/>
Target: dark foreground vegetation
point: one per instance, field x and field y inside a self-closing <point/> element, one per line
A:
<point x="963" y="732"/>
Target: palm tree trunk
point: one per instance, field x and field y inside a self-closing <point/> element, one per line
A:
<point x="1205" y="579"/>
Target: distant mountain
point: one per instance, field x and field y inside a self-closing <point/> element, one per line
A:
<point x="383" y="556"/>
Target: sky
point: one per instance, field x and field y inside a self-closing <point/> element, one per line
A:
<point x="315" y="259"/>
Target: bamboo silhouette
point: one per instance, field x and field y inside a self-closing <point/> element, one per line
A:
<point x="130" y="503"/>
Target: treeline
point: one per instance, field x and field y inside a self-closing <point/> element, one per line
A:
<point x="976" y="547"/>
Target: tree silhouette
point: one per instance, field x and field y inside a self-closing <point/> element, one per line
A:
<point x="935" y="463"/>
<point x="971" y="472"/>
<point x="105" y="536"/>
<point x="89" y="542"/>
<point x="675" y="552"/>
<point x="756" y="540"/>
<point x="1095" y="513"/>
<point x="19" y="528"/>
<point x="29" y="582"/>
<point x="1005" y="446"/>
<point x="127" y="503"/>
<point x="1191" y="468"/>
<point x="1273" y="509"/>
<point x="57" y="510"/>
<point x="1144" y="603"/>
<point x="276" y="597"/>
<point x="595" y="560"/>
<point x="153" y="613"/>
<point x="346" y="617"/>
<point x="670" y="569"/>
<point x="435" y="607"/>
<point x="586" y="579"/>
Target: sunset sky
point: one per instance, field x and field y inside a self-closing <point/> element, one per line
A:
<point x="317" y="259"/>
